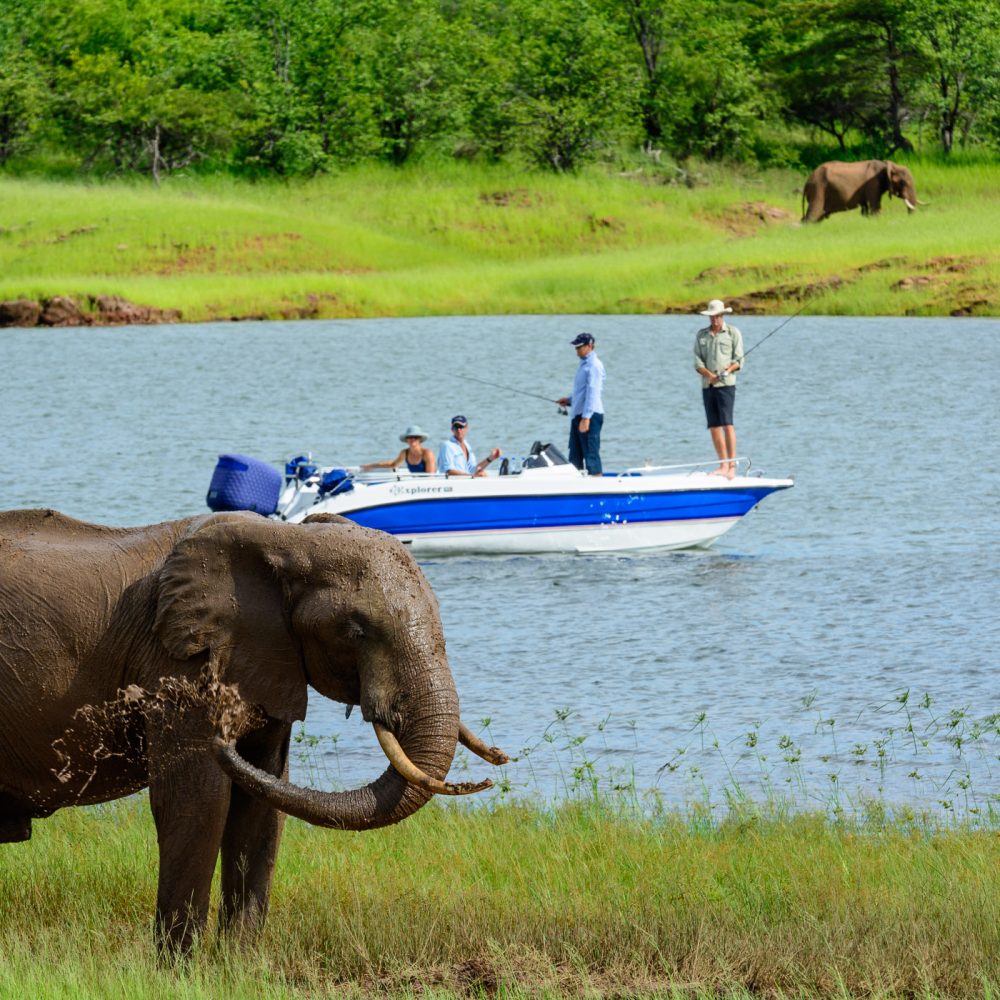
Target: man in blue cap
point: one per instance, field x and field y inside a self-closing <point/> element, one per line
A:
<point x="586" y="407"/>
<point x="456" y="458"/>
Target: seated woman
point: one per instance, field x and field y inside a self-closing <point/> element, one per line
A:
<point x="415" y="455"/>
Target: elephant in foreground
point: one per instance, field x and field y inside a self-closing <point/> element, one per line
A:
<point x="178" y="656"/>
<point x="839" y="187"/>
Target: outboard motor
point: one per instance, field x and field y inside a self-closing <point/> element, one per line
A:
<point x="244" y="483"/>
<point x="335" y="481"/>
<point x="543" y="455"/>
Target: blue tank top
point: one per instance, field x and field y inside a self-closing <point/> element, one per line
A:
<point x="419" y="467"/>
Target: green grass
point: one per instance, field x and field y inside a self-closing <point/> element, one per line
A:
<point x="608" y="892"/>
<point x="585" y="899"/>
<point x="465" y="239"/>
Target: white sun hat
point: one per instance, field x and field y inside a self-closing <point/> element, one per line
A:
<point x="413" y="431"/>
<point x="716" y="308"/>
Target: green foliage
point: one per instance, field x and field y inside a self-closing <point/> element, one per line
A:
<point x="297" y="87"/>
<point x="956" y="42"/>
<point x="571" y="87"/>
<point x="714" y="93"/>
<point x="415" y="80"/>
<point x="24" y="101"/>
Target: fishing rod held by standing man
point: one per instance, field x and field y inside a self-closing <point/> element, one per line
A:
<point x="510" y="388"/>
<point x="784" y="322"/>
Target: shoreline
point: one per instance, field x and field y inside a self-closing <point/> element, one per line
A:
<point x="385" y="243"/>
<point x="67" y="311"/>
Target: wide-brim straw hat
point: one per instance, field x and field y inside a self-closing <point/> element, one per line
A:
<point x="716" y="307"/>
<point x="413" y="431"/>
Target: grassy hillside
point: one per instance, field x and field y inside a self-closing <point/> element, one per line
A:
<point x="464" y="240"/>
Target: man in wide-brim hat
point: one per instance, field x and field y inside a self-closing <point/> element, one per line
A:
<point x="718" y="355"/>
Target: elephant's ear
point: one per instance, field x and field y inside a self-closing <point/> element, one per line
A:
<point x="222" y="590"/>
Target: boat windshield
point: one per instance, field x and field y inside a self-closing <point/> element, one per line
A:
<point x="542" y="455"/>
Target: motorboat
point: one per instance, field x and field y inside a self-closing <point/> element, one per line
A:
<point x="539" y="503"/>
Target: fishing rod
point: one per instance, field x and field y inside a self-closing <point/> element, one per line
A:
<point x="772" y="333"/>
<point x="510" y="388"/>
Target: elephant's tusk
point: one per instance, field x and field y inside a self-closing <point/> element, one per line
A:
<point x="492" y="755"/>
<point x="408" y="770"/>
<point x="910" y="205"/>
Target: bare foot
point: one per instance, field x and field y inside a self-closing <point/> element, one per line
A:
<point x="730" y="472"/>
<point x="720" y="471"/>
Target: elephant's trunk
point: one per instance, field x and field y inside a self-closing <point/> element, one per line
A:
<point x="420" y="753"/>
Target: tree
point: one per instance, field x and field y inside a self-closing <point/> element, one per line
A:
<point x="649" y="26"/>
<point x="146" y="86"/>
<point x="572" y="89"/>
<point x="846" y="67"/>
<point x="957" y="41"/>
<point x="712" y="97"/>
<point x="24" y="102"/>
<point x="415" y="76"/>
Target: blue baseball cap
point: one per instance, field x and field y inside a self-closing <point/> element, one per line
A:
<point x="459" y="421"/>
<point x="582" y="338"/>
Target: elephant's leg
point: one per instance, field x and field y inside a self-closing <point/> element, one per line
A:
<point x="253" y="831"/>
<point x="15" y="821"/>
<point x="189" y="796"/>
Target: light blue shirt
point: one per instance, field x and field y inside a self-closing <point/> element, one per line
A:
<point x="587" y="387"/>
<point x="451" y="456"/>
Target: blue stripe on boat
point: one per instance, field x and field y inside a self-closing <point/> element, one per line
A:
<point x="511" y="513"/>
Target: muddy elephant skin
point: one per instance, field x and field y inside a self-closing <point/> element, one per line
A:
<point x="840" y="187"/>
<point x="177" y="656"/>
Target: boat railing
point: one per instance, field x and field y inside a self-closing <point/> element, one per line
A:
<point x="742" y="463"/>
<point x="383" y="475"/>
<point x="389" y="475"/>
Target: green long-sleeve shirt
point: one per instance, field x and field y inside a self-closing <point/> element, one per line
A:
<point x="715" y="351"/>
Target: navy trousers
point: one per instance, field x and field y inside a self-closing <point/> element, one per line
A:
<point x="585" y="449"/>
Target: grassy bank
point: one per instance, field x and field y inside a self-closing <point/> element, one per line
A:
<point x="583" y="900"/>
<point x="463" y="239"/>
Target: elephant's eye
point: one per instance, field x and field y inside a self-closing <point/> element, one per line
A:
<point x="354" y="630"/>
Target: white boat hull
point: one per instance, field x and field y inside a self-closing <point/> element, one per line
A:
<point x="602" y="538"/>
<point x="555" y="509"/>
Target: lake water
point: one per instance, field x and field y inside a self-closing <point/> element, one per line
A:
<point x="778" y="661"/>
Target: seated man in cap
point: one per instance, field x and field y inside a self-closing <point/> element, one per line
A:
<point x="718" y="355"/>
<point x="586" y="407"/>
<point x="456" y="458"/>
<point x="415" y="455"/>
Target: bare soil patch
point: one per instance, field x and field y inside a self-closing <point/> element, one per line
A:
<point x="517" y="198"/>
<point x="747" y="218"/>
<point x="725" y="273"/>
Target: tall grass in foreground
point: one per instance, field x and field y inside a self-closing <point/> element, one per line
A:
<point x="604" y="893"/>
<point x="579" y="899"/>
<point x="475" y="240"/>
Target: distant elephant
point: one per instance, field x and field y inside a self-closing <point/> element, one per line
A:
<point x="839" y="187"/>
<point x="178" y="656"/>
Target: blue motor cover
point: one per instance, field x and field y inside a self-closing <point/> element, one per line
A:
<point x="335" y="481"/>
<point x="244" y="483"/>
<point x="301" y="467"/>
